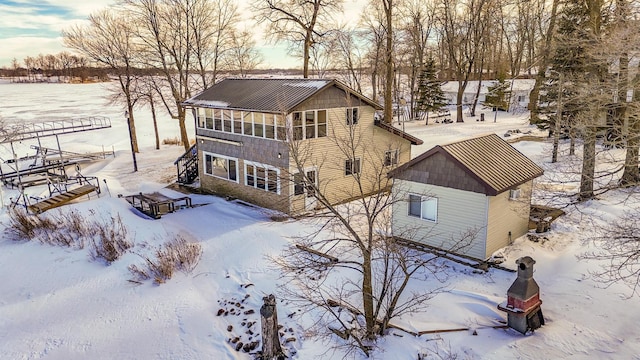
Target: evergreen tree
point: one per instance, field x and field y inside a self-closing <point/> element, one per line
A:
<point x="429" y="95"/>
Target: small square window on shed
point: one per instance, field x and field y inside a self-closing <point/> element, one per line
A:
<point x="514" y="194"/>
<point x="423" y="207"/>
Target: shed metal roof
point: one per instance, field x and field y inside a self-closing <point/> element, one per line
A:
<point x="489" y="159"/>
<point x="265" y="95"/>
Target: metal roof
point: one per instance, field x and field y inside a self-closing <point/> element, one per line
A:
<point x="491" y="160"/>
<point x="265" y="95"/>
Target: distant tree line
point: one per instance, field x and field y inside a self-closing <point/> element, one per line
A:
<point x="60" y="67"/>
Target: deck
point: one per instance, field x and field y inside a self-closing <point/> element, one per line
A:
<point x="61" y="199"/>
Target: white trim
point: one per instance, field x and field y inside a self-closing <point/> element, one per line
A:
<point x="266" y="167"/>
<point x="204" y="169"/>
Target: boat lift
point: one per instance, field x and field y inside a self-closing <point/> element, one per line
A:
<point x="50" y="165"/>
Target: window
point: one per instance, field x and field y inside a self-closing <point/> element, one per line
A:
<point x="521" y="98"/>
<point x="201" y="117"/>
<point x="298" y="184"/>
<point x="226" y="121"/>
<point x="322" y="123"/>
<point x="423" y="207"/>
<point x="262" y="177"/>
<point x="514" y="194"/>
<point x="281" y="130"/>
<point x="352" y="166"/>
<point x="237" y="122"/>
<point x="352" y="116"/>
<point x="247" y="121"/>
<point x="209" y="120"/>
<point x="391" y="157"/>
<point x="258" y="125"/>
<point x="269" y="128"/>
<point x="217" y="119"/>
<point x="297" y="126"/>
<point x="221" y="167"/>
<point x="309" y="124"/>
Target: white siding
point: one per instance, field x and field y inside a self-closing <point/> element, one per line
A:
<point x="458" y="213"/>
<point x="508" y="217"/>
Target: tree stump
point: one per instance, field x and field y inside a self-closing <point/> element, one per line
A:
<point x="271" y="348"/>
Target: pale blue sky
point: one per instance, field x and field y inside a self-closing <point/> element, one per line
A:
<point x="31" y="27"/>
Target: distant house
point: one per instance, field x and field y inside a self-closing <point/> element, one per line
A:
<point x="480" y="185"/>
<point x="520" y="90"/>
<point x="249" y="133"/>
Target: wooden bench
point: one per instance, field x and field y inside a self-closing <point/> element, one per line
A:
<point x="61" y="199"/>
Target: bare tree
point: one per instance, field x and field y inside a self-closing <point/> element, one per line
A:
<point x="462" y="26"/>
<point x="349" y="56"/>
<point x="355" y="270"/>
<point x="243" y="55"/>
<point x="175" y="36"/>
<point x="298" y="23"/>
<point x="109" y="40"/>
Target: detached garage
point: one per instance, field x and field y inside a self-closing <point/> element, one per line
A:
<point x="471" y="197"/>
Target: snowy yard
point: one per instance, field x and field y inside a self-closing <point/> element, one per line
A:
<point x="59" y="303"/>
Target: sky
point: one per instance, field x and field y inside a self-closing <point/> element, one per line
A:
<point x="31" y="27"/>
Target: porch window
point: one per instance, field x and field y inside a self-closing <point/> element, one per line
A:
<point x="237" y="122"/>
<point x="269" y="126"/>
<point x="217" y="119"/>
<point x="221" y="166"/>
<point x="201" y="118"/>
<point x="258" y="125"/>
<point x="423" y="207"/>
<point x="391" y="157"/>
<point x="262" y="177"/>
<point x="247" y="120"/>
<point x="226" y="121"/>
<point x="352" y="116"/>
<point x="209" y="118"/>
<point x="352" y="166"/>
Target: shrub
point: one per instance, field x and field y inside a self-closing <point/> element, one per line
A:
<point x="24" y="226"/>
<point x="171" y="141"/>
<point x="109" y="241"/>
<point x="177" y="254"/>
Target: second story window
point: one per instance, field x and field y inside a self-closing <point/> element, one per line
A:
<point x="309" y="124"/>
<point x="352" y="166"/>
<point x="391" y="157"/>
<point x="352" y="116"/>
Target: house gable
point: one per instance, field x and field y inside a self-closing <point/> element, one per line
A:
<point x="441" y="170"/>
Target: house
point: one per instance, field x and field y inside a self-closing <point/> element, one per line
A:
<point x="519" y="88"/>
<point x="266" y="140"/>
<point x="480" y="187"/>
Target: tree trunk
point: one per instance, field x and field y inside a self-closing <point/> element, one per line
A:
<point x="367" y="295"/>
<point x="271" y="348"/>
<point x="184" y="137"/>
<point x="155" y="122"/>
<point x="534" y="95"/>
<point x="588" y="165"/>
<point x="459" y="97"/>
<point x="631" y="175"/>
<point x="388" y="111"/>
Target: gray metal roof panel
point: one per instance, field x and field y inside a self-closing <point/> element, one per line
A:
<point x="494" y="161"/>
<point x="267" y="95"/>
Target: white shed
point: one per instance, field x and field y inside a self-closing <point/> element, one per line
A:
<point x="471" y="197"/>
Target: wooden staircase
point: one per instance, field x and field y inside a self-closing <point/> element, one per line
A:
<point x="61" y="199"/>
<point x="187" y="166"/>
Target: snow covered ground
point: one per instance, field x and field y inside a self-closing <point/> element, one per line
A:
<point x="59" y="303"/>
